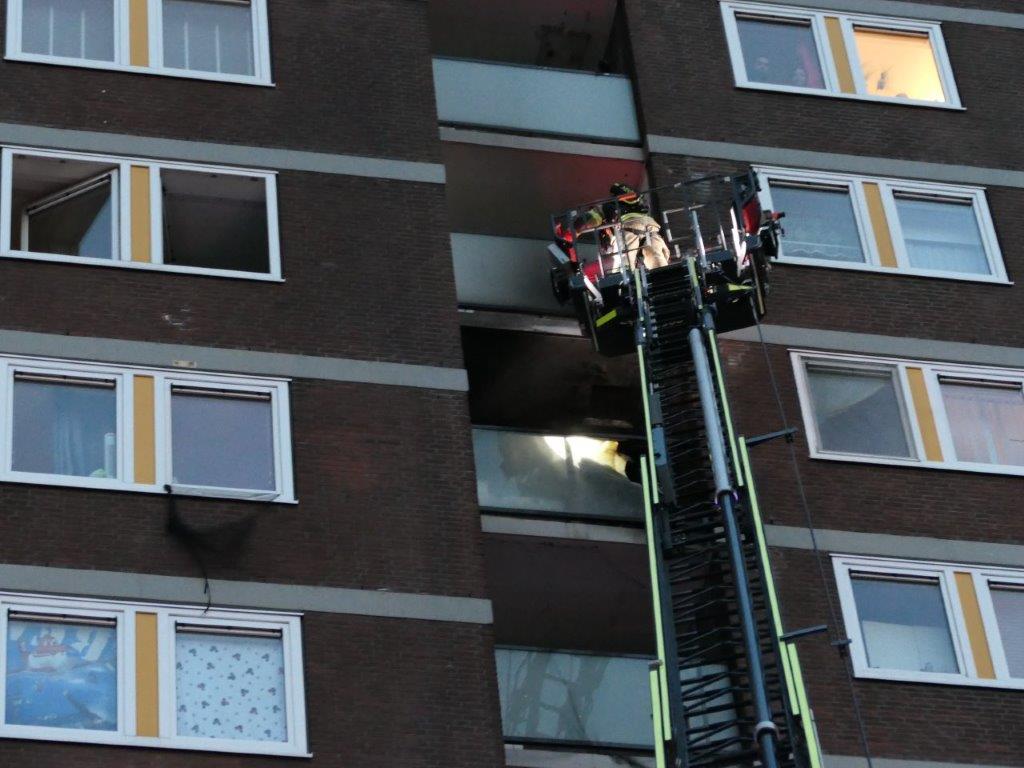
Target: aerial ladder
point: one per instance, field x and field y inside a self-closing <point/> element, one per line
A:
<point x="726" y="688"/>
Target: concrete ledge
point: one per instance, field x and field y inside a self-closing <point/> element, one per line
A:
<point x="892" y="545"/>
<point x="540" y="144"/>
<point x="125" y="352"/>
<point x="845" y="761"/>
<point x="520" y="756"/>
<point x="891" y="346"/>
<point x="829" y="161"/>
<point x="558" y="529"/>
<point x="244" y="594"/>
<point x="221" y="154"/>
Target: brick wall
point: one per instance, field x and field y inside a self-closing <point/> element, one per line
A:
<point x="351" y="76"/>
<point x="686" y="88"/>
<point x="919" y="721"/>
<point x="367" y="268"/>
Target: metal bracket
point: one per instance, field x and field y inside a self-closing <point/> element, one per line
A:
<point x="796" y="634"/>
<point x="786" y="433"/>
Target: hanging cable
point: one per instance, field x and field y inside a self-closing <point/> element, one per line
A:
<point x="840" y="641"/>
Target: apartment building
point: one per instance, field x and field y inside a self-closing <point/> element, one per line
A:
<point x="301" y="458"/>
<point x="886" y="131"/>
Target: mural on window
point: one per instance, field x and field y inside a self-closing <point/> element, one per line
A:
<point x="61" y="675"/>
<point x="230" y="686"/>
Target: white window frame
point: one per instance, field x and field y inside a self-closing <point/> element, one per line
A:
<point x="281" y="435"/>
<point x="816" y="18"/>
<point x="122" y="214"/>
<point x="294" y="699"/>
<point x="168" y="615"/>
<point x="931" y="372"/>
<point x="889" y="187"/>
<point x="163" y="379"/>
<point x="261" y="46"/>
<point x="982" y="578"/>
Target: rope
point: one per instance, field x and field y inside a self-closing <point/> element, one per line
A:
<point x="842" y="643"/>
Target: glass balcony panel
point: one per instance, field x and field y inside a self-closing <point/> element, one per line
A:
<point x="573" y="476"/>
<point x="536" y="99"/>
<point x="575" y="698"/>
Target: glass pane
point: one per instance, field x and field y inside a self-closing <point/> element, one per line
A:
<point x="987" y="423"/>
<point x="65" y="429"/>
<point x="942" y="235"/>
<point x="230" y="687"/>
<point x="80" y="224"/>
<point x="780" y="53"/>
<point x="904" y="625"/>
<point x="898" y="64"/>
<point x="1009" y="606"/>
<point x="215" y="221"/>
<point x="61" y="675"/>
<point x="208" y="36"/>
<point x="575" y="698"/>
<point x="222" y="442"/>
<point x="77" y="29"/>
<point x="819" y="223"/>
<point x="858" y="412"/>
<point x="578" y="476"/>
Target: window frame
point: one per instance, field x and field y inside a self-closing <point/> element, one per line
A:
<point x="847" y="21"/>
<point x="890" y="187"/>
<point x="262" y="73"/>
<point x="122" y="215"/>
<point x="167" y="616"/>
<point x="931" y="372"/>
<point x="163" y="379"/>
<point x="982" y="577"/>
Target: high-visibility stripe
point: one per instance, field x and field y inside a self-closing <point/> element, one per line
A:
<point x="144" y="421"/>
<point x="652" y="558"/>
<point x="606" y="318"/>
<point x="839" y="54"/>
<point x="659" y="730"/>
<point x="147" y="684"/>
<point x="925" y="417"/>
<point x="975" y="627"/>
<point x="140" y="214"/>
<point x="880" y="225"/>
<point x="138" y="32"/>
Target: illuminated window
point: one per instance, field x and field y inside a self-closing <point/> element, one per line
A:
<point x="898" y="64"/>
<point x="838" y="54"/>
<point x="986" y="419"/>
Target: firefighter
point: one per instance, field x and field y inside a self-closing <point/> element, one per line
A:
<point x="640" y="232"/>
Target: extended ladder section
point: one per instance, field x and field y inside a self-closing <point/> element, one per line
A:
<point x="726" y="691"/>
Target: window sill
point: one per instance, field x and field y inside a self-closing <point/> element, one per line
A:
<point x="40" y="733"/>
<point x="182" y="74"/>
<point x="850" y="96"/>
<point x="981" y="469"/>
<point x="104" y="484"/>
<point x="936" y="678"/>
<point x="896" y="272"/>
<point x="146" y="267"/>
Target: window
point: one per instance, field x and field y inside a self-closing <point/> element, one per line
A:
<point x="912" y="413"/>
<point x="858" y="410"/>
<point x="228" y="681"/>
<point x="69" y="29"/>
<point x="844" y="55"/>
<point x="91" y="425"/>
<point x="207" y="39"/>
<point x="139" y="214"/>
<point x="573" y="476"/>
<point x="884" y="225"/>
<point x="933" y="622"/>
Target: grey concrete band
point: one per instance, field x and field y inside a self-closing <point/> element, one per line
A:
<point x="558" y="529"/>
<point x="517" y="756"/>
<point x="241" y="361"/>
<point x="244" y="594"/>
<point x="892" y="346"/>
<point x="221" y="154"/>
<point x="847" y="761"/>
<point x="923" y="11"/>
<point x="891" y="545"/>
<point x="518" y="321"/>
<point x="829" y="161"/>
<point x="538" y="144"/>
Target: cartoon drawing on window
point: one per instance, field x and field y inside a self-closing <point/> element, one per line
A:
<point x="61" y="675"/>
